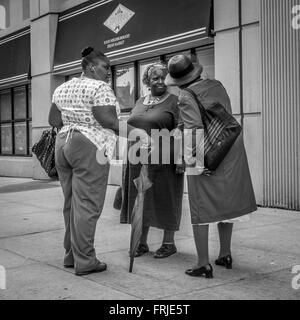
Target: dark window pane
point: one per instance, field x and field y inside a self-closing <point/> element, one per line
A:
<point x="5" y="105"/>
<point x="6" y="139"/>
<point x="206" y="59"/>
<point x="29" y="102"/>
<point x="20" y="103"/>
<point x="20" y="139"/>
<point x="125" y="86"/>
<point x="187" y="53"/>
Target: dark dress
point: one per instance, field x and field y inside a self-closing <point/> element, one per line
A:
<point x="163" y="201"/>
<point x="228" y="193"/>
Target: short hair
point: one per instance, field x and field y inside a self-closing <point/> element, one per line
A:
<point x="148" y="72"/>
<point x="89" y="55"/>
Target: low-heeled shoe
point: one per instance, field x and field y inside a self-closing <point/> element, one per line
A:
<point x="165" y="251"/>
<point x="225" y="262"/>
<point x="201" y="272"/>
<point x="142" y="249"/>
<point x="101" y="266"/>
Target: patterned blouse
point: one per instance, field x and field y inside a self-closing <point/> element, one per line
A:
<point x="75" y="99"/>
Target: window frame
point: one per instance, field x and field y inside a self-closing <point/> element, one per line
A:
<point x="137" y="64"/>
<point x="12" y="122"/>
<point x="114" y="82"/>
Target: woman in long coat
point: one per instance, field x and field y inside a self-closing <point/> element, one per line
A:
<point x="221" y="196"/>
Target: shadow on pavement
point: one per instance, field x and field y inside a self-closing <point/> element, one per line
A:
<point x="28" y="186"/>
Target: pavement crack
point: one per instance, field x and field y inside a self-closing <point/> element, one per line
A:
<point x="30" y="233"/>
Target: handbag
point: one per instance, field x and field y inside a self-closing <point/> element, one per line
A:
<point x="221" y="130"/>
<point x="44" y="150"/>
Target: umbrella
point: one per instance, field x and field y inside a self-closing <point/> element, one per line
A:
<point x="142" y="184"/>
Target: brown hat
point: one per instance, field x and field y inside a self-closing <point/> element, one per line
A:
<point x="182" y="71"/>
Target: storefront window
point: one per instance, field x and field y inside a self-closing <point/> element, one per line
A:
<point x="206" y="59"/>
<point x="30" y="136"/>
<point x="175" y="90"/>
<point x="29" y="103"/>
<point x="6" y="139"/>
<point x="125" y="86"/>
<point x="5" y="104"/>
<point x="20" y="103"/>
<point x="169" y="56"/>
<point x="15" y="121"/>
<point x="20" y="139"/>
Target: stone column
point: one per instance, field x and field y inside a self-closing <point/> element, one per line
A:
<point x="43" y="35"/>
<point x="238" y="67"/>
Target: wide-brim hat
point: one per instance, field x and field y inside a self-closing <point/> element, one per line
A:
<point x="182" y="71"/>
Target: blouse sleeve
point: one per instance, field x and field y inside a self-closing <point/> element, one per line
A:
<point x="104" y="96"/>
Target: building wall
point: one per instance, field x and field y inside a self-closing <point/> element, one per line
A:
<point x="281" y="103"/>
<point x="44" y="14"/>
<point x="249" y="61"/>
<point x="42" y="7"/>
<point x="238" y="67"/>
<point x="17" y="15"/>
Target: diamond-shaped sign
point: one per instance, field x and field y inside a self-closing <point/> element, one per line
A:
<point x="117" y="20"/>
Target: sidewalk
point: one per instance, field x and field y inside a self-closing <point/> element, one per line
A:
<point x="31" y="234"/>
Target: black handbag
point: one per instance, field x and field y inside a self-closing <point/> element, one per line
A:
<point x="44" y="150"/>
<point x="221" y="130"/>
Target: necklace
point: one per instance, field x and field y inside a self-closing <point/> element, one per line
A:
<point x="151" y="100"/>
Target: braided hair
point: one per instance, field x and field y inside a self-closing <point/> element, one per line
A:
<point x="89" y="55"/>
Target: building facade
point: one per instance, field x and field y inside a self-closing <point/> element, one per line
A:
<point x="251" y="46"/>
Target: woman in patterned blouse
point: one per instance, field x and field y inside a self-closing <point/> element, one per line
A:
<point x="86" y="112"/>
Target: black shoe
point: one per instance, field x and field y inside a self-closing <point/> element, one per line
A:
<point x="142" y="249"/>
<point x="101" y="266"/>
<point x="68" y="266"/>
<point x="201" y="272"/>
<point x="165" y="251"/>
<point x="225" y="262"/>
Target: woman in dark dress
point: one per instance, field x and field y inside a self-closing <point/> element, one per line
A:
<point x="163" y="201"/>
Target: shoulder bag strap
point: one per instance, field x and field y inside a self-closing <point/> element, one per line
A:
<point x="201" y="108"/>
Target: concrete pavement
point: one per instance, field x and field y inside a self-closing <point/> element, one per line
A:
<point x="265" y="250"/>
